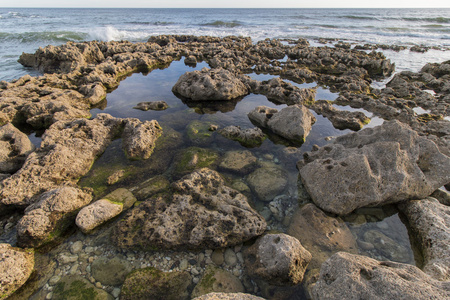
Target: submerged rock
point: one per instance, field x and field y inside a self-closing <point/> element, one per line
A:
<point x="14" y="148"/>
<point x="268" y="182"/>
<point x="242" y="162"/>
<point x="322" y="235"/>
<point x="386" y="246"/>
<point x="210" y="85"/>
<point x="348" y="276"/>
<point x="110" y="271"/>
<point x="16" y="266"/>
<point x="153" y="105"/>
<point x="217" y="280"/>
<point x="279" y="259"/>
<point x="202" y="213"/>
<point x="52" y="214"/>
<point x="74" y="287"/>
<point x="193" y="158"/>
<point x="292" y="123"/>
<point x="251" y="137"/>
<point x="151" y="283"/>
<point x="430" y="224"/>
<point x="376" y="166"/>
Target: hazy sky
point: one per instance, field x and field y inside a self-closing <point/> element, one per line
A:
<point x="225" y="3"/>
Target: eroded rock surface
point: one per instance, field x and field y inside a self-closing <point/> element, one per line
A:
<point x="430" y="223"/>
<point x="348" y="276"/>
<point x="202" y="213"/>
<point x="376" y="166"/>
<point x="14" y="148"/>
<point x="251" y="137"/>
<point x="139" y="138"/>
<point x="277" y="258"/>
<point x="228" y="296"/>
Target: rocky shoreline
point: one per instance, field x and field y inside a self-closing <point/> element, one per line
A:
<point x="198" y="231"/>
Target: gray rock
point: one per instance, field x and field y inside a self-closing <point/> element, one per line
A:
<point x="139" y="138"/>
<point x="292" y="123"/>
<point x="16" y="266"/>
<point x="373" y="167"/>
<point x="50" y="216"/>
<point x="153" y="105"/>
<point x="202" y="213"/>
<point x="251" y="137"/>
<point x="268" y="182"/>
<point x="230" y="257"/>
<point x="210" y="85"/>
<point x="97" y="213"/>
<point x="242" y="162"/>
<point x="76" y="247"/>
<point x="217" y="257"/>
<point x="348" y="276"/>
<point x="14" y="148"/>
<point x="110" y="271"/>
<point x="228" y="296"/>
<point x="217" y="280"/>
<point x="430" y="224"/>
<point x="279" y="259"/>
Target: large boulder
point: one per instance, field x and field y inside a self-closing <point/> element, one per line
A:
<point x="14" y="148"/>
<point x="322" y="235"/>
<point x="202" y="213"/>
<point x="429" y="221"/>
<point x="348" y="276"/>
<point x="279" y="259"/>
<point x="151" y="283"/>
<point x="16" y="266"/>
<point x="210" y="85"/>
<point x="139" y="138"/>
<point x="51" y="215"/>
<point x="292" y="123"/>
<point x="373" y="167"/>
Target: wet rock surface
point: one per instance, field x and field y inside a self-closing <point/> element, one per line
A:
<point x="153" y="105"/>
<point x="277" y="258"/>
<point x="251" y="137"/>
<point x="348" y="276"/>
<point x="358" y="169"/>
<point x="267" y="182"/>
<point x="242" y="162"/>
<point x="217" y="280"/>
<point x="14" y="148"/>
<point x="222" y="217"/>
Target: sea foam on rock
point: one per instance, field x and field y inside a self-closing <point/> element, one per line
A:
<point x="376" y="166"/>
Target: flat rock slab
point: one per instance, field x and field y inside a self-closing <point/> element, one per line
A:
<point x="373" y="167"/>
<point x="14" y="148"/>
<point x="210" y="85"/>
<point x="292" y="123"/>
<point x="348" y="276"/>
<point x="16" y="266"/>
<point x="203" y="213"/>
<point x="430" y="223"/>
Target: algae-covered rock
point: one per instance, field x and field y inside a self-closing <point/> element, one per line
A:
<point x="268" y="182"/>
<point x="217" y="280"/>
<point x="110" y="271"/>
<point x="250" y="138"/>
<point x="122" y="196"/>
<point x="199" y="134"/>
<point x="16" y="266"/>
<point x="194" y="158"/>
<point x="242" y="162"/>
<point x="151" y="283"/>
<point x="74" y="287"/>
<point x="151" y="187"/>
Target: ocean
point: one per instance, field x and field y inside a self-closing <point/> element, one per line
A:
<point x="27" y="29"/>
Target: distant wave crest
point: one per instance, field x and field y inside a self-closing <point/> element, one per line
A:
<point x="47" y="36"/>
<point x="441" y="20"/>
<point x="223" y="24"/>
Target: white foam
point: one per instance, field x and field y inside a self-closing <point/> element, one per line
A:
<point x="110" y="33"/>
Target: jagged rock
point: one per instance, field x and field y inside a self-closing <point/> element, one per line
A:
<point x="14" y="148"/>
<point x="279" y="259"/>
<point x="16" y="266"/>
<point x="251" y="137"/>
<point x="73" y="287"/>
<point x="202" y="213"/>
<point x="320" y="234"/>
<point x="280" y="91"/>
<point x="292" y="123"/>
<point x="217" y="280"/>
<point x="267" y="182"/>
<point x="97" y="213"/>
<point x="430" y="223"/>
<point x="348" y="276"/>
<point x="151" y="283"/>
<point x="341" y="119"/>
<point x="139" y="138"/>
<point x="153" y="105"/>
<point x="228" y="296"/>
<point x="210" y="85"/>
<point x="242" y="162"/>
<point x="67" y="152"/>
<point x="110" y="271"/>
<point x="50" y="216"/>
<point x="373" y="167"/>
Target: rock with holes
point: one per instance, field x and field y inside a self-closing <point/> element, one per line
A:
<point x="16" y="266"/>
<point x="429" y="221"/>
<point x="210" y="85"/>
<point x="250" y="137"/>
<point x="14" y="148"/>
<point x="292" y="123"/>
<point x="373" y="167"/>
<point x="277" y="258"/>
<point x="348" y="276"/>
<point x="228" y="296"/>
<point x="202" y="213"/>
<point x="139" y="138"/>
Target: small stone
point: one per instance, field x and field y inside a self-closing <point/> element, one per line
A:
<point x="76" y="247"/>
<point x="208" y="252"/>
<point x="201" y="257"/>
<point x="240" y="257"/>
<point x="115" y="292"/>
<point x="54" y="280"/>
<point x="89" y="249"/>
<point x="183" y="264"/>
<point x="213" y="127"/>
<point x="49" y="296"/>
<point x="66" y="258"/>
<point x="73" y="270"/>
<point x="217" y="257"/>
<point x="98" y="285"/>
<point x="238" y="248"/>
<point x="192" y="261"/>
<point x="194" y="271"/>
<point x="195" y="280"/>
<point x="230" y="257"/>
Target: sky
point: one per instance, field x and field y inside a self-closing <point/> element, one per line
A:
<point x="228" y="3"/>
